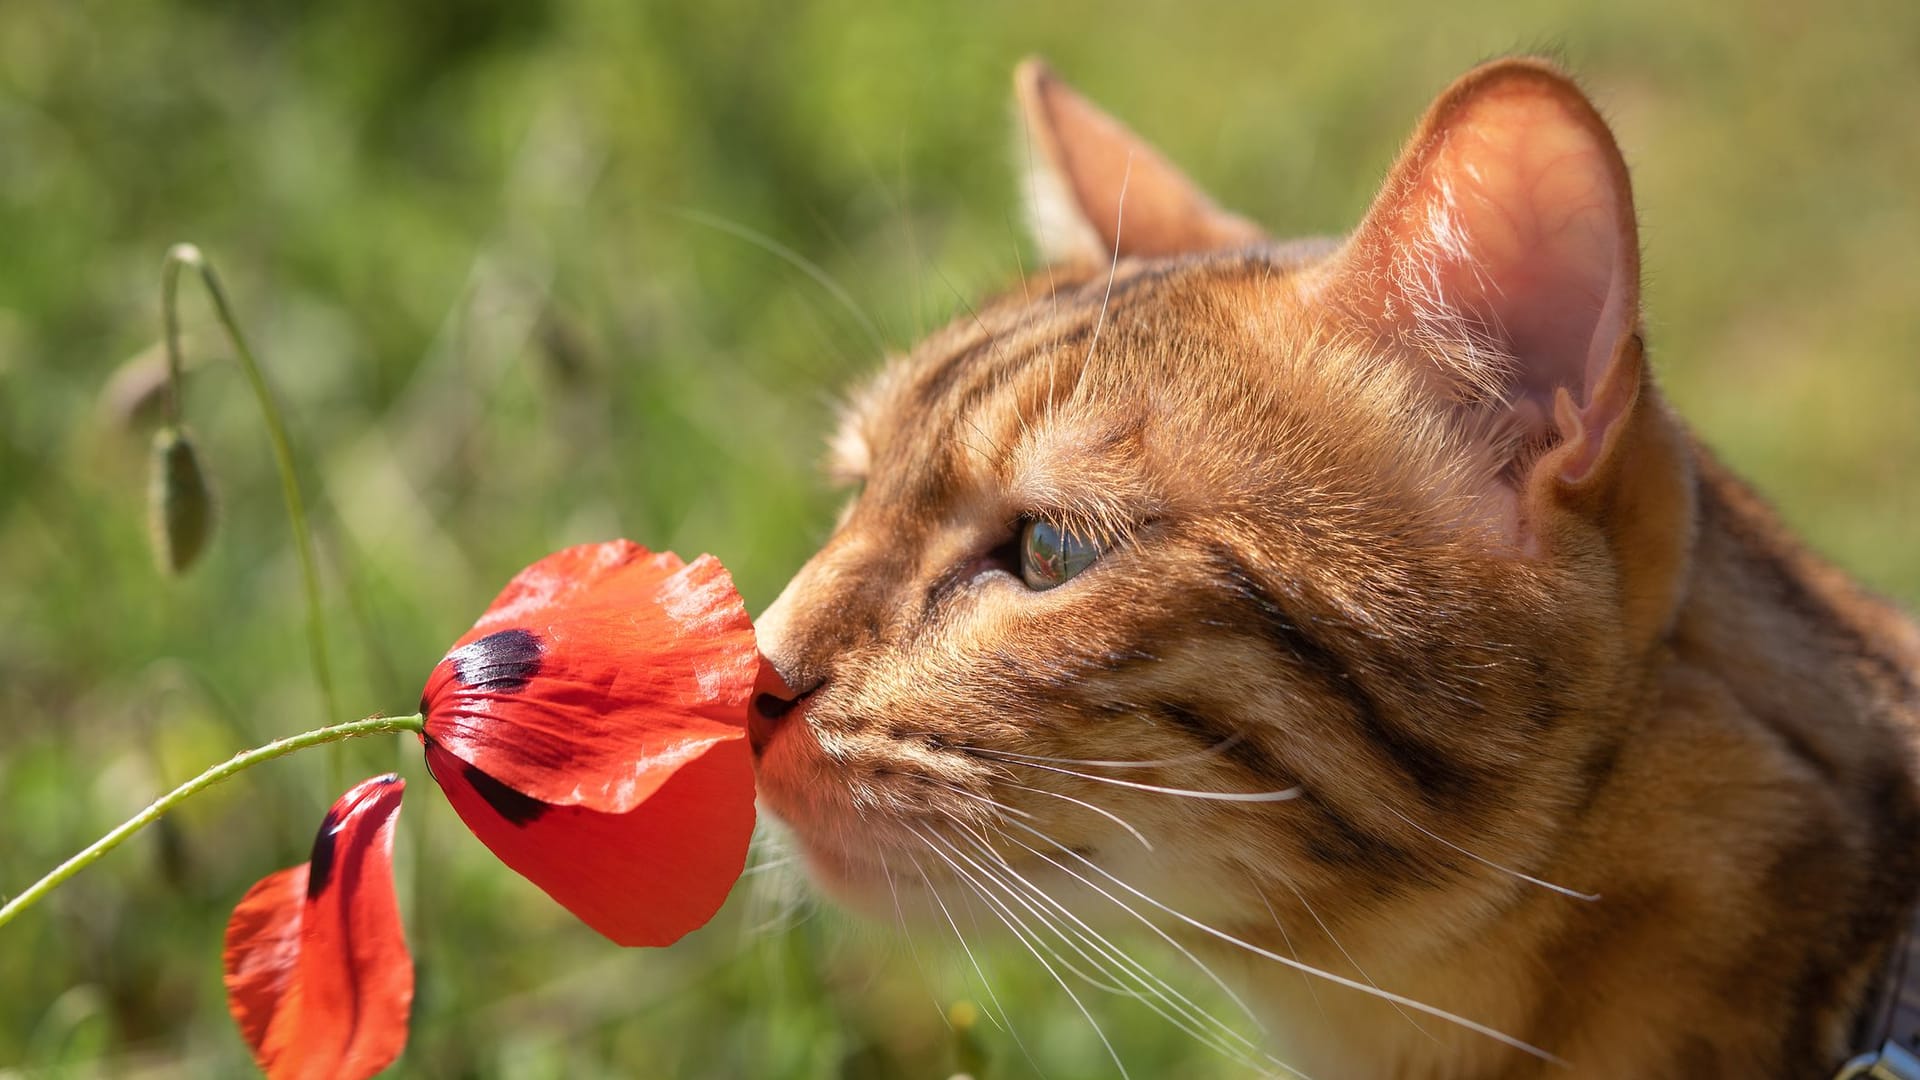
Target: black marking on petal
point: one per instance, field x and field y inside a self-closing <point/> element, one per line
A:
<point x="320" y="866"/>
<point x="498" y="663"/>
<point x="517" y="808"/>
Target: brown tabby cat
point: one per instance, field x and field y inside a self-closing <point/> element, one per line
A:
<point x="1358" y="606"/>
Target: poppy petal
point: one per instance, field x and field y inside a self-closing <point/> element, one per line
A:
<point x="263" y="949"/>
<point x="596" y="673"/>
<point x="645" y="877"/>
<point x="317" y="971"/>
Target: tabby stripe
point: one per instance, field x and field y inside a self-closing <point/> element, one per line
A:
<point x="1335" y="840"/>
<point x="1440" y="777"/>
<point x="1041" y="338"/>
<point x="1777" y="559"/>
<point x="1011" y="365"/>
<point x="1770" y="566"/>
<point x="1596" y="774"/>
<point x="1044" y="338"/>
<point x="1232" y="741"/>
<point x="937" y="382"/>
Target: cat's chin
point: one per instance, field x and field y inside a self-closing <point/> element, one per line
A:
<point x="859" y="883"/>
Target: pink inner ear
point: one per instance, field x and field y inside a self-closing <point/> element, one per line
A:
<point x="1518" y="227"/>
<point x="1500" y="262"/>
<point x="1501" y="250"/>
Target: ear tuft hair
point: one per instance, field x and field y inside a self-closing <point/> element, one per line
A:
<point x="1095" y="189"/>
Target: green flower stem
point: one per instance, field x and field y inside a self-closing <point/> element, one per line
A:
<point x="188" y="255"/>
<point x="372" y="725"/>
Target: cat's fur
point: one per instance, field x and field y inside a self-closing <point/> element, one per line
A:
<point x="1401" y="523"/>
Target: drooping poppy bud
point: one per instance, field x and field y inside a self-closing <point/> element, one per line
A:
<point x="179" y="501"/>
<point x="136" y="393"/>
<point x="317" y="970"/>
<point x="591" y="730"/>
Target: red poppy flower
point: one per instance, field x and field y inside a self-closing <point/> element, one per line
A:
<point x="591" y="730"/>
<point x="317" y="971"/>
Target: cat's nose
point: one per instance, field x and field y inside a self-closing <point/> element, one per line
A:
<point x="774" y="701"/>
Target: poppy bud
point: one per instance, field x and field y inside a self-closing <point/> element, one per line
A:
<point x="179" y="502"/>
<point x="566" y="351"/>
<point x="134" y="395"/>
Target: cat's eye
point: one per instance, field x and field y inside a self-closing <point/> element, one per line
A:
<point x="1049" y="555"/>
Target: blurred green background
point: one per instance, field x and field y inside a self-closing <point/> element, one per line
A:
<point x="470" y="242"/>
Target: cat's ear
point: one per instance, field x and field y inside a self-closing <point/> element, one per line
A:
<point x="1502" y="251"/>
<point x="1080" y="161"/>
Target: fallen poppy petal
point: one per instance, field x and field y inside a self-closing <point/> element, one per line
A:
<point x="645" y="877"/>
<point x="317" y="971"/>
<point x="595" y="674"/>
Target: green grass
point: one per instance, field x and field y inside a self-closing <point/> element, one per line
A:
<point x="458" y="236"/>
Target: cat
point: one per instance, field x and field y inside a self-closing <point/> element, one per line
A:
<point x="1364" y="585"/>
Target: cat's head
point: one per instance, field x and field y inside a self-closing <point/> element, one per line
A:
<point x="1248" y="573"/>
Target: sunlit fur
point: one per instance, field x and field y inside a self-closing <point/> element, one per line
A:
<point x="1658" y="699"/>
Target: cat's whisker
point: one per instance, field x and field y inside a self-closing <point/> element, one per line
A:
<point x="1328" y="930"/>
<point x="997" y="1013"/>
<point x="1484" y="861"/>
<point x="980" y="842"/>
<point x="1192" y="1020"/>
<point x="1133" y="967"/>
<point x="1127" y="763"/>
<point x="792" y="258"/>
<point x="974" y="923"/>
<point x="1101" y="810"/>
<point x="900" y="922"/>
<point x="771" y="907"/>
<point x="989" y="800"/>
<point x="1204" y="1025"/>
<point x="1004" y="1019"/>
<point x="1340" y="980"/>
<point x="1047" y="922"/>
<point x="1019" y="261"/>
<point x="1113" y="267"/>
<point x="1169" y="939"/>
<point x="791" y="911"/>
<point x="978" y="889"/>
<point x="1189" y="793"/>
<point x="1286" y="938"/>
<point x="763" y="867"/>
<point x="999" y="452"/>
